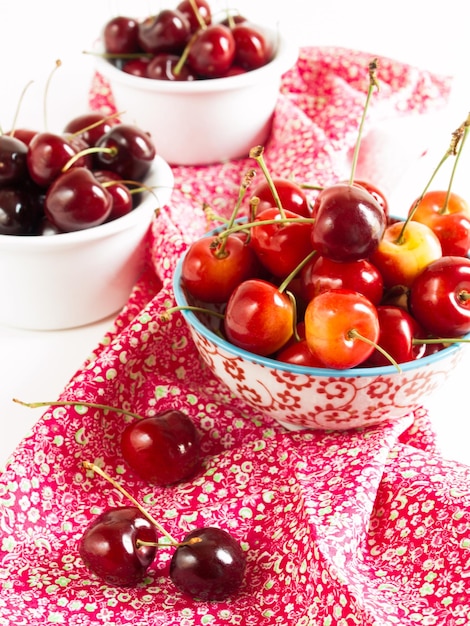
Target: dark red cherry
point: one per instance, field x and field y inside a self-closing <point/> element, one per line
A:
<point x="127" y="151"/>
<point x="76" y="200"/>
<point x="18" y="213"/>
<point x="293" y="198"/>
<point x="210" y="569"/>
<point x="136" y="67"/>
<point x="212" y="51"/>
<point x="90" y="126"/>
<point x="186" y="7"/>
<point x="253" y="47"/>
<point x="120" y="35"/>
<point x="163" y="449"/>
<point x="23" y="134"/>
<point x="162" y="67"/>
<point x="109" y="546"/>
<point x="168" y="31"/>
<point x="13" y="167"/>
<point x="48" y="153"/>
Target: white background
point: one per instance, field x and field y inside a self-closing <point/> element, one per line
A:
<point x="429" y="34"/>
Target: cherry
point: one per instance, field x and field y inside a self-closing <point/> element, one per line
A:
<point x="253" y="48"/>
<point x="120" y="35"/>
<point x="137" y="67"/>
<point x="18" y="213"/>
<point x="211" y="567"/>
<point x="259" y="317"/>
<point x="13" y="166"/>
<point x="162" y="67"/>
<point x="299" y="353"/>
<point x="109" y="546"/>
<point x="213" y="267"/>
<point x="23" y="134"/>
<point x="196" y="20"/>
<point x="341" y="328"/>
<point x="48" y="154"/>
<point x="377" y="193"/>
<point x="167" y="31"/>
<point x="439" y="297"/>
<point x="90" y="126"/>
<point x="163" y="449"/>
<point x="126" y="150"/>
<point x="321" y="274"/>
<point x="349" y="222"/>
<point x="291" y="195"/>
<point x="122" y="202"/>
<point x="76" y="200"/>
<point x="211" y="51"/>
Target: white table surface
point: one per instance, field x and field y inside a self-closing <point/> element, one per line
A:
<point x="35" y="366"/>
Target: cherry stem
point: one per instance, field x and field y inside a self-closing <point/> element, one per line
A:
<point x="184" y="55"/>
<point x="197" y="13"/>
<point x="90" y="405"/>
<point x="96" y="124"/>
<point x="257" y="153"/>
<point x="355" y="334"/>
<point x="91" y="150"/>
<point x="440" y="340"/>
<point x="15" y="118"/>
<point x="246" y="225"/>
<point x="296" y="270"/>
<point x="458" y="137"/>
<point x="373" y="65"/>
<point x="95" y="468"/>
<point x="58" y="64"/>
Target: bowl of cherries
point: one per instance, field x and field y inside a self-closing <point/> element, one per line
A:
<point x="330" y="313"/>
<point x="75" y="207"/>
<point x="204" y="84"/>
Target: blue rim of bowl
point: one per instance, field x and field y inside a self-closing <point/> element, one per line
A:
<point x="386" y="370"/>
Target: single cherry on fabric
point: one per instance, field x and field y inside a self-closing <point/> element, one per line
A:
<point x="162" y="449"/>
<point x="336" y="323"/>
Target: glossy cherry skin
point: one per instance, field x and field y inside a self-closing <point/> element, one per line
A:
<point x="167" y="31"/>
<point x="48" y="154"/>
<point x="439" y="297"/>
<point x="163" y="449"/>
<point x="212" y="51"/>
<point x="18" y="214"/>
<point x="210" y="569"/>
<point x="448" y="216"/>
<point x="377" y="193"/>
<point x="136" y="67"/>
<point x="90" y="126"/>
<point x="259" y="318"/>
<point x="13" y="166"/>
<point x="162" y="67"/>
<point x="120" y="35"/>
<point x="402" y="254"/>
<point x="76" y="200"/>
<point x="253" y="47"/>
<point x="283" y="245"/>
<point x="291" y="195"/>
<point x="321" y="274"/>
<point x="298" y="353"/>
<point x="127" y="151"/>
<point x="331" y="318"/>
<point x="349" y="223"/>
<point x="397" y="332"/>
<point x="204" y="10"/>
<point x="211" y="270"/>
<point x="109" y="547"/>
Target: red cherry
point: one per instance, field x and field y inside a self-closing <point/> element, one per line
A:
<point x="291" y="195"/>
<point x="48" y="154"/>
<point x="211" y="269"/>
<point x="298" y="353"/>
<point x="253" y="47"/>
<point x="120" y="35"/>
<point x="90" y="126"/>
<point x="377" y="193"/>
<point x="110" y="550"/>
<point x="13" y="165"/>
<point x="163" y="449"/>
<point x="19" y="214"/>
<point x="162" y="67"/>
<point x="281" y="246"/>
<point x="259" y="318"/>
<point x="76" y="200"/>
<point x="212" y="51"/>
<point x="210" y="569"/>
<point x="204" y="10"/>
<point x="440" y="297"/>
<point x="333" y="321"/>
<point x="168" y="31"/>
<point x="136" y="67"/>
<point x="127" y="150"/>
<point x="349" y="223"/>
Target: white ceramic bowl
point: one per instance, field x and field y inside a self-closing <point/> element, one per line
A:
<point x="71" y="279"/>
<point x="203" y="121"/>
<point x="302" y="397"/>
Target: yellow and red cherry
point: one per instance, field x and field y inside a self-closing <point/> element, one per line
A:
<point x="341" y="328"/>
<point x="259" y="317"/>
<point x="439" y="298"/>
<point x="405" y="249"/>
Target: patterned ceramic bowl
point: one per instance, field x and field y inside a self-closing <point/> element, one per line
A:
<point x="303" y="397"/>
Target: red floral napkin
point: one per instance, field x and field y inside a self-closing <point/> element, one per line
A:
<point x="340" y="528"/>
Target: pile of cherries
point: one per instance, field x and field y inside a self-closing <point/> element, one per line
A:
<point x="91" y="173"/>
<point x="120" y="544"/>
<point x="336" y="282"/>
<point x="186" y="43"/>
